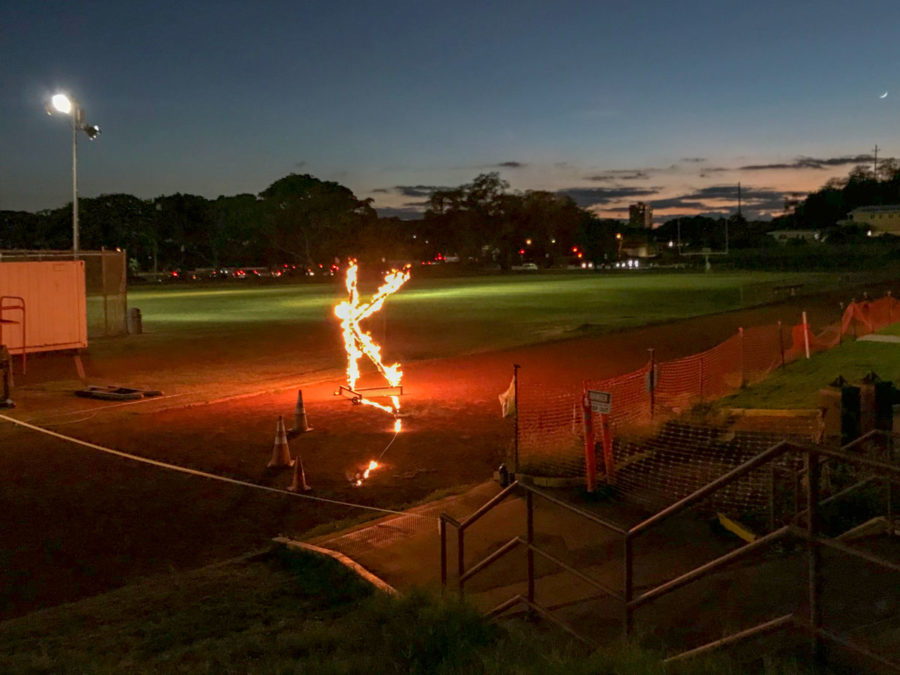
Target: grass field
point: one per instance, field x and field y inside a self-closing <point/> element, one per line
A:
<point x="797" y="386"/>
<point x="431" y="318"/>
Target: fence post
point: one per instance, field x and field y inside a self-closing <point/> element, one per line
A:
<point x="627" y="583"/>
<point x="743" y="377"/>
<point x="516" y="367"/>
<point x="105" y="295"/>
<point x="652" y="380"/>
<point x="529" y="536"/>
<point x="813" y="553"/>
<point x="781" y="342"/>
<point x="806" y="335"/>
<point x="590" y="455"/>
<point x="700" y="369"/>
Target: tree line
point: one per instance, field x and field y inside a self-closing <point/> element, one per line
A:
<point x="305" y="221"/>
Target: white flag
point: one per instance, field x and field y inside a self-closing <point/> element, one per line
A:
<point x="508" y="400"/>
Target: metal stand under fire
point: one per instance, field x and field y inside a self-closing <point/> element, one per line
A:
<point x="360" y="394"/>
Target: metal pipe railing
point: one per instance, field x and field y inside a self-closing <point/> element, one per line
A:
<point x="814" y="459"/>
<point x="711" y="566"/>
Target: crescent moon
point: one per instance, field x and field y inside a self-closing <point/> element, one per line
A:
<point x="884" y="95"/>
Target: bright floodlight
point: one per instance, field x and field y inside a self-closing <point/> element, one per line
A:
<point x="62" y="103"/>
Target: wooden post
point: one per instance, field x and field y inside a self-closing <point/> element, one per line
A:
<point x="806" y="335"/>
<point x="590" y="455"/>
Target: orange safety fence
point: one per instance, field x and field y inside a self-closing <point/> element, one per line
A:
<point x="551" y="426"/>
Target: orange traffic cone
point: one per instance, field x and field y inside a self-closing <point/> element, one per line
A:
<point x="299" y="484"/>
<point x="301" y="426"/>
<point x="281" y="453"/>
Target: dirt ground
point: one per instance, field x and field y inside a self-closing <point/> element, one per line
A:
<point x="75" y="521"/>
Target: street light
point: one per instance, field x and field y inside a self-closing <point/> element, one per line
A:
<point x="67" y="106"/>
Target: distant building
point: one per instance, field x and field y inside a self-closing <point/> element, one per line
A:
<point x="880" y="219"/>
<point x="640" y="215"/>
<point x="784" y="236"/>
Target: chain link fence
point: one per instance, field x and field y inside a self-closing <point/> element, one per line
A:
<point x="105" y="275"/>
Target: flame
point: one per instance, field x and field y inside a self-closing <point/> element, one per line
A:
<point x="359" y="343"/>
<point x="365" y="474"/>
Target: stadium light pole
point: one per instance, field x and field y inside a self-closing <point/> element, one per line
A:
<point x="68" y="106"/>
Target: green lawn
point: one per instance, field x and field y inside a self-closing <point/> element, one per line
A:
<point x="441" y="317"/>
<point x="797" y="386"/>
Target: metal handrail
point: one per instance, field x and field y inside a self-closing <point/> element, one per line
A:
<point x="587" y="515"/>
<point x="581" y="575"/>
<point x="488" y="505"/>
<point x="493" y="557"/>
<point x="811" y="625"/>
<point x="21" y="307"/>
<point x="776" y="450"/>
<point x="852" y="646"/>
<point x="734" y="638"/>
<point x="521" y="599"/>
<point x="711" y="566"/>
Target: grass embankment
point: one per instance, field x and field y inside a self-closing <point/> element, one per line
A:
<point x="294" y="613"/>
<point x="797" y="385"/>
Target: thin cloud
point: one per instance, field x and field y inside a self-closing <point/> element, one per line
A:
<point x="413" y="190"/>
<point x="618" y="174"/>
<point x="603" y="195"/>
<point x="403" y="213"/>
<point x="509" y="165"/>
<point x="692" y="160"/>
<point x="810" y="163"/>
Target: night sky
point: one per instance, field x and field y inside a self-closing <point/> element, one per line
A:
<point x="671" y="103"/>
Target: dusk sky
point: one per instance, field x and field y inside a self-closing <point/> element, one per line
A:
<point x="671" y="103"/>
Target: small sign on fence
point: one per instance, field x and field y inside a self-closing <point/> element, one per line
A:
<point x="599" y="400"/>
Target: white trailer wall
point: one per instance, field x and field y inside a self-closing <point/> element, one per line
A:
<point x="55" y="305"/>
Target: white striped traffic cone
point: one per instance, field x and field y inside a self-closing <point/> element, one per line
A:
<point x="281" y="453"/>
<point x="299" y="484"/>
<point x="301" y="426"/>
